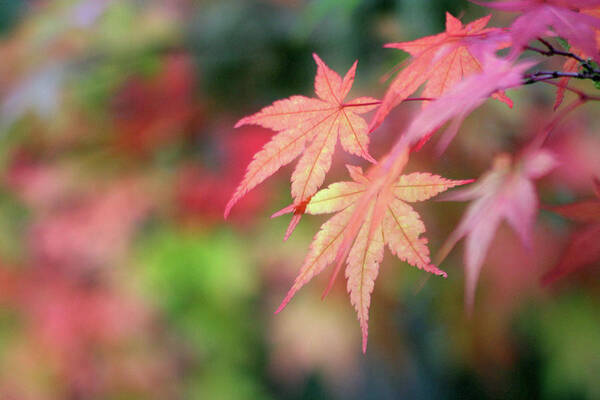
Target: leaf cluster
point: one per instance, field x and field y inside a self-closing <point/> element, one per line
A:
<point x="459" y="69"/>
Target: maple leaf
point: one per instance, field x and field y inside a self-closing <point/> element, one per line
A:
<point x="562" y="15"/>
<point x="571" y="64"/>
<point x="308" y="126"/>
<point x="459" y="101"/>
<point x="388" y="219"/>
<point x="584" y="246"/>
<point x="441" y="60"/>
<point x="505" y="192"/>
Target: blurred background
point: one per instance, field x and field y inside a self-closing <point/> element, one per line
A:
<point x="119" y="278"/>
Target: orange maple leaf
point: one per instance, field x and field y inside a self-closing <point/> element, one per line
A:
<point x="316" y="122"/>
<point x="441" y="60"/>
<point x="387" y="219"/>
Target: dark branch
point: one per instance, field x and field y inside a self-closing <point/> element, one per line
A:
<point x="540" y="76"/>
<point x="587" y="67"/>
<point x="553" y="51"/>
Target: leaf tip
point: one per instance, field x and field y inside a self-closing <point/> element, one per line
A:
<point x="286" y="300"/>
<point x="369" y="158"/>
<point x="283" y="211"/>
<point x="340" y="257"/>
<point x="364" y="328"/>
<point x="293" y="223"/>
<point x="241" y="122"/>
<point x="436" y="271"/>
<point x="329" y="286"/>
<point x="280" y="308"/>
<point x="317" y="59"/>
<point x="228" y="207"/>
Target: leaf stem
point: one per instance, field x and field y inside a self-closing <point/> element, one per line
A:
<point x="374" y="103"/>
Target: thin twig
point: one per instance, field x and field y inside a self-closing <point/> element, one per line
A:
<point x="540" y="76"/>
<point x="552" y="51"/>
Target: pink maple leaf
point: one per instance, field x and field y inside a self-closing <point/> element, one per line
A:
<point x="440" y="61"/>
<point x="459" y="101"/>
<point x="505" y="192"/>
<point x="561" y="15"/>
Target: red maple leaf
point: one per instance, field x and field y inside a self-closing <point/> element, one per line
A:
<point x="316" y="122"/>
<point x="584" y="247"/>
<point x="441" y="60"/>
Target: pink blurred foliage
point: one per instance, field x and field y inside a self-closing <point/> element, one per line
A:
<point x="562" y="15"/>
<point x="514" y="270"/>
<point x="92" y="230"/>
<point x="89" y="333"/>
<point x="577" y="149"/>
<point x="69" y="318"/>
<point x="84" y="333"/>
<point x="39" y="185"/>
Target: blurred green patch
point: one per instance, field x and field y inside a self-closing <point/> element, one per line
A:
<point x="566" y="336"/>
<point x="207" y="288"/>
<point x="96" y="84"/>
<point x="14" y="221"/>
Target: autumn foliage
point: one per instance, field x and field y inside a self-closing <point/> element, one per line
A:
<point x="459" y="69"/>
